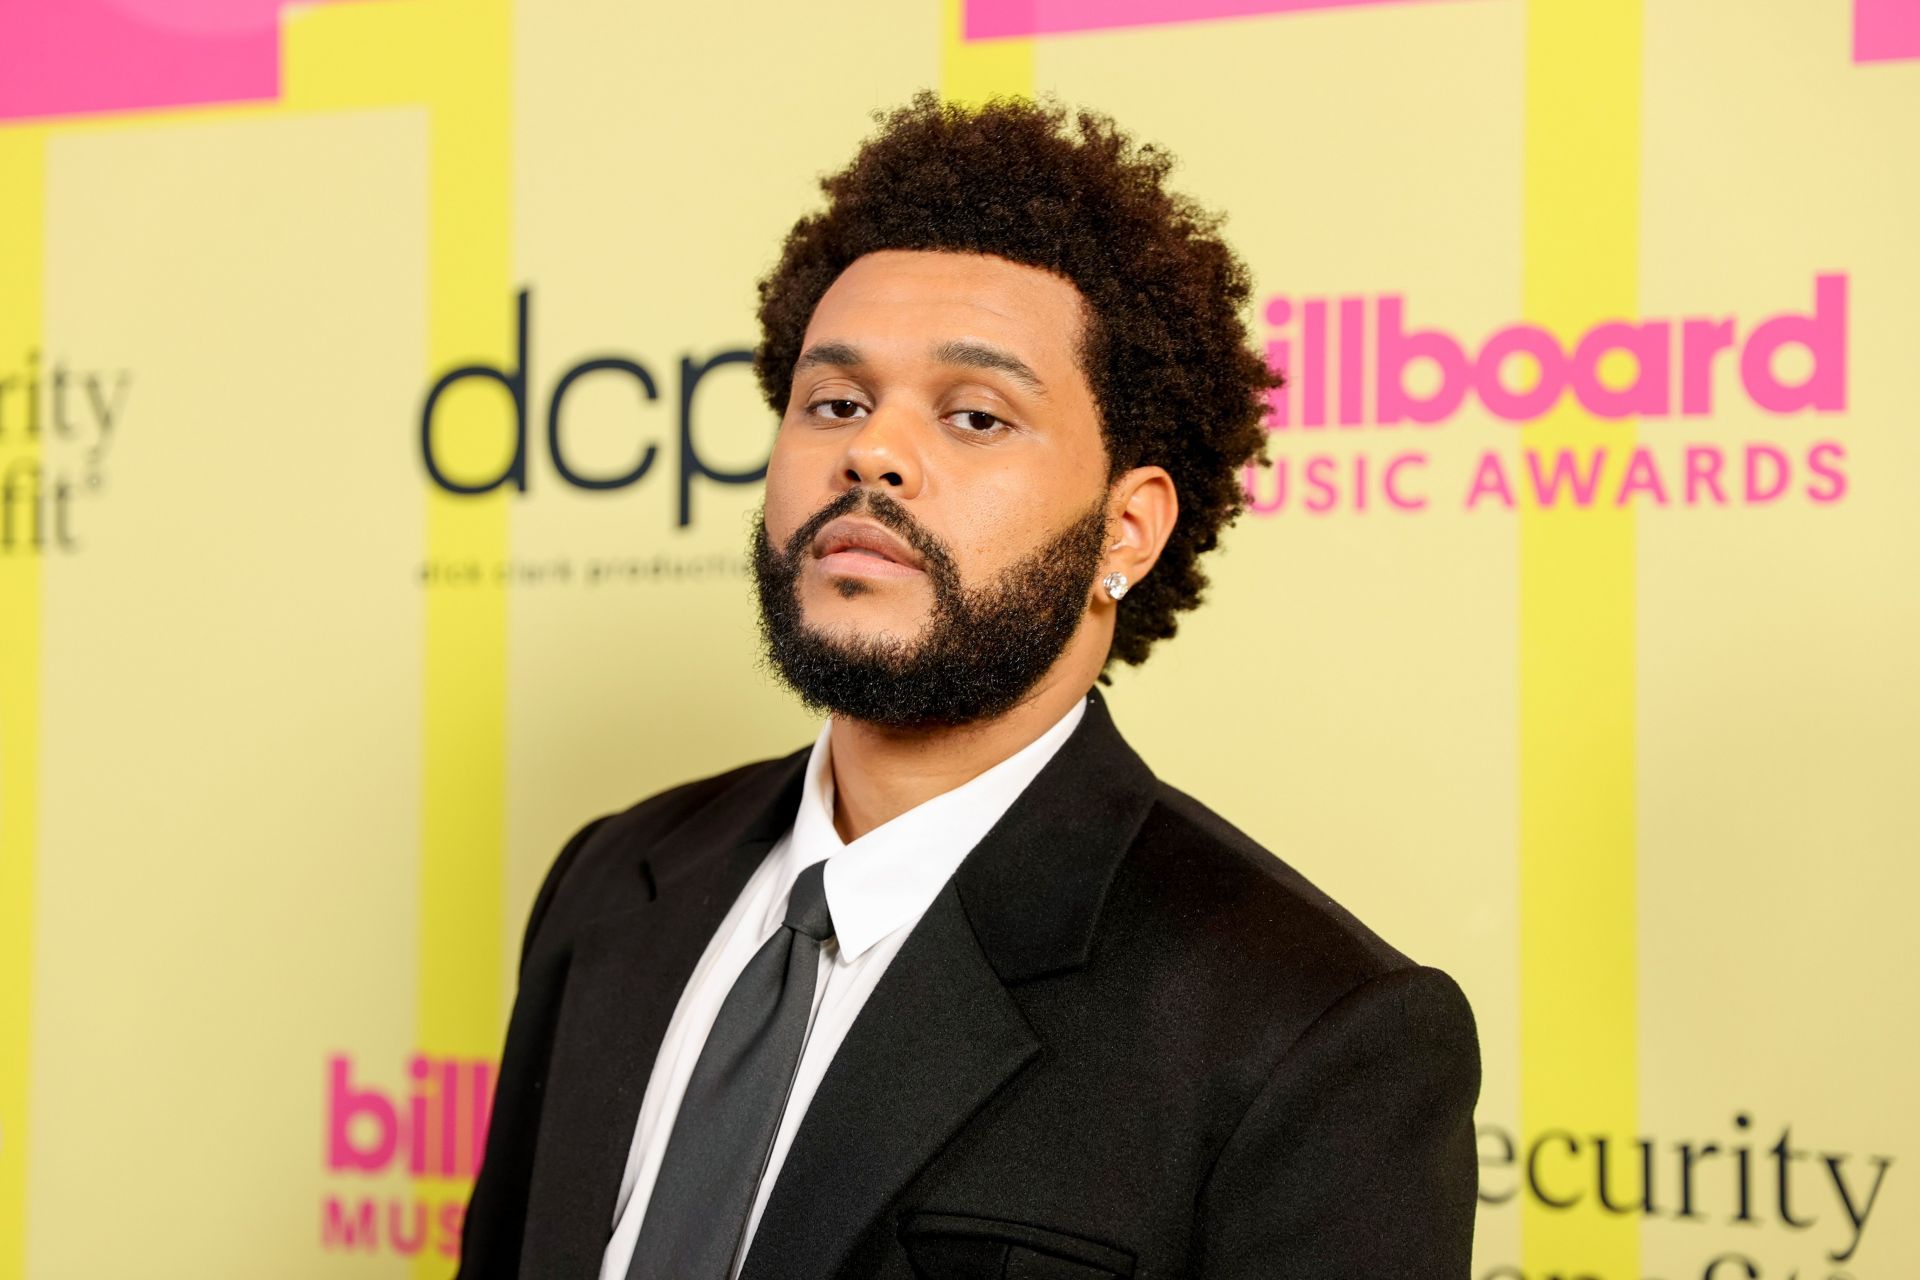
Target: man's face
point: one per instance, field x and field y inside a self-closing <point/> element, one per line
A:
<point x="936" y="493"/>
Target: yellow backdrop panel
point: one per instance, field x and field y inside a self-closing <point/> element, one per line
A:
<point x="1569" y="640"/>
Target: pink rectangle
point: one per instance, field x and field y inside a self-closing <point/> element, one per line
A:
<point x="1886" y="30"/>
<point x="84" y="57"/>
<point x="995" y="19"/>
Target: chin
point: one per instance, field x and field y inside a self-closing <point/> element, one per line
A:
<point x="863" y="618"/>
<point x="835" y="595"/>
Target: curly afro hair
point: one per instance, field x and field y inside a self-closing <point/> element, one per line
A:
<point x="1165" y="351"/>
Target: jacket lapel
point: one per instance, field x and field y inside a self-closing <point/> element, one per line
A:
<point x="941" y="1033"/>
<point x="938" y="1037"/>
<point x="623" y="981"/>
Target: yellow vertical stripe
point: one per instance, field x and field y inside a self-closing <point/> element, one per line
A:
<point x="455" y="60"/>
<point x="973" y="71"/>
<point x="1578" y="1036"/>
<point x="23" y="178"/>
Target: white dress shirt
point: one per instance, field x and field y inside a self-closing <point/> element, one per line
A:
<point x="877" y="889"/>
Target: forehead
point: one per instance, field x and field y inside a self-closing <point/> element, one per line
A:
<point x="906" y="299"/>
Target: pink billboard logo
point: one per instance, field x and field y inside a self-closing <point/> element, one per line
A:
<point x="1367" y="381"/>
<point x="1424" y="375"/>
<point x="438" y="1125"/>
<point x="435" y="1126"/>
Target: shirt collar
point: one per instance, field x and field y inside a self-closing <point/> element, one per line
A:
<point x="888" y="877"/>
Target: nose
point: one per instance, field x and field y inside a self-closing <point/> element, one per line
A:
<point x="884" y="452"/>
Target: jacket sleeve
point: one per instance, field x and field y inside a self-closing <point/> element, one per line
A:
<point x="491" y="1226"/>
<point x="1357" y="1157"/>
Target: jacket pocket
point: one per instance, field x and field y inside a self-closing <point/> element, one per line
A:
<point x="953" y="1246"/>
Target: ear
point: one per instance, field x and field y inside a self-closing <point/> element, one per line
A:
<point x="1142" y="509"/>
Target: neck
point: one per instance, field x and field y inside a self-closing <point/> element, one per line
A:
<point x="879" y="773"/>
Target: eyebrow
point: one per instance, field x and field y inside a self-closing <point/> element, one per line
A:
<point x="838" y="354"/>
<point x="964" y="352"/>
<point x="978" y="355"/>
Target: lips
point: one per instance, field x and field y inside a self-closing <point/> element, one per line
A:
<point x="857" y="546"/>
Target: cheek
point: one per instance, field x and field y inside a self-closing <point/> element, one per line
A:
<point x="999" y="521"/>
<point x="1004" y="506"/>
<point x="790" y="493"/>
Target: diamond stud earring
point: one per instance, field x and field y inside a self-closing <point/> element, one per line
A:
<point x="1115" y="583"/>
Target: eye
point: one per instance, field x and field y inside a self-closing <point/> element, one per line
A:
<point x="837" y="410"/>
<point x="978" y="420"/>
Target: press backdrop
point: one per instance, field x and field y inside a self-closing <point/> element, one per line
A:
<point x="377" y="450"/>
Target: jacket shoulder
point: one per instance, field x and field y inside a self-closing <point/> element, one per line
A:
<point x="1256" y="950"/>
<point x="1219" y="874"/>
<point x="606" y="850"/>
<point x="648" y="821"/>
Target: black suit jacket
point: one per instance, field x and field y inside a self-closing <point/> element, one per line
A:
<point x="1124" y="1040"/>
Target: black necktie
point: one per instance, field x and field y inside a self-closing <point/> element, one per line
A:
<point x="724" y="1132"/>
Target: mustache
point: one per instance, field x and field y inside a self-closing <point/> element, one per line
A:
<point x="885" y="511"/>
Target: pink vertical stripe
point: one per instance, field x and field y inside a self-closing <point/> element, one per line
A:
<point x="1280" y="360"/>
<point x="1353" y="346"/>
<point x="481" y="1100"/>
<point x="450" y="1072"/>
<point x="1313" y="360"/>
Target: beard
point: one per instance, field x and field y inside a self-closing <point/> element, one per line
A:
<point x="981" y="651"/>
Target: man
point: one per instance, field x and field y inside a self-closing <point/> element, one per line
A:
<point x="962" y="990"/>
